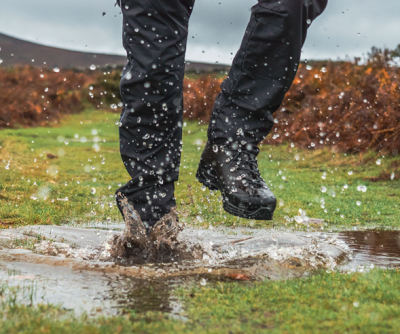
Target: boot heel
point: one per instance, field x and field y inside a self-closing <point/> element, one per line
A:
<point x="205" y="175"/>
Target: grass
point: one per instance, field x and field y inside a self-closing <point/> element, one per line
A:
<point x="78" y="185"/>
<point x="324" y="303"/>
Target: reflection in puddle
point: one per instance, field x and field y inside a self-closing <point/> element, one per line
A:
<point x="380" y="248"/>
<point x="91" y="292"/>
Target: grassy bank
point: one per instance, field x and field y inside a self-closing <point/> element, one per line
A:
<point x="325" y="303"/>
<point x="343" y="104"/>
<point x="69" y="173"/>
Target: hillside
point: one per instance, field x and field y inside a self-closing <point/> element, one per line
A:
<point x="14" y="51"/>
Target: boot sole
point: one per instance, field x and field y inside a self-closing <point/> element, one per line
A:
<point x="209" y="178"/>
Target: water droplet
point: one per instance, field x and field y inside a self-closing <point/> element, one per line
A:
<point x="379" y="162"/>
<point x="146" y="85"/>
<point x="362" y="188"/>
<point x="239" y="132"/>
<point x="350" y="173"/>
<point x="215" y="148"/>
<point x="358" y="203"/>
<point x="92" y="67"/>
<point x="323" y="189"/>
<point x="56" y="69"/>
<point x="93" y="191"/>
<point x="128" y="76"/>
<point x="298" y="219"/>
<point x="96" y="147"/>
<point x="165" y="107"/>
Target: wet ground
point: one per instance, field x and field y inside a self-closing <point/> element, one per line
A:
<point x="372" y="248"/>
<point x="73" y="267"/>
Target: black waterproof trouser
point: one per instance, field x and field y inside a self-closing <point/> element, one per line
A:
<point x="154" y="36"/>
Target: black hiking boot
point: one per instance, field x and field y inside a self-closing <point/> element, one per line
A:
<point x="233" y="170"/>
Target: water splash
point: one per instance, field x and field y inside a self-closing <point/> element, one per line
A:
<point x="160" y="244"/>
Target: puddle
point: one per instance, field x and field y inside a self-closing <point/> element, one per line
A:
<point x="90" y="291"/>
<point x="372" y="248"/>
<point x="72" y="266"/>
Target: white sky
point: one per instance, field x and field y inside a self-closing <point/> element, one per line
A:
<point x="347" y="27"/>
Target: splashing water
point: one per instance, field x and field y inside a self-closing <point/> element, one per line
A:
<point x="160" y="244"/>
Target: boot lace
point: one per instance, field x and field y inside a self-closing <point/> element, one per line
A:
<point x="241" y="159"/>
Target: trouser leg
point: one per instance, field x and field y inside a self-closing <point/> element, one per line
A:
<point x="262" y="70"/>
<point x="154" y="36"/>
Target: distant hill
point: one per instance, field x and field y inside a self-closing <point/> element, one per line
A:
<point x="14" y="51"/>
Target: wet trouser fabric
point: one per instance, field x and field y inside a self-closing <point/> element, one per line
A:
<point x="155" y="36"/>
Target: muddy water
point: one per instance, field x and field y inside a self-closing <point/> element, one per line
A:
<point x="91" y="291"/>
<point x="72" y="266"/>
<point x="372" y="247"/>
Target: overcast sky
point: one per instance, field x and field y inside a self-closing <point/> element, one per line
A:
<point x="347" y="27"/>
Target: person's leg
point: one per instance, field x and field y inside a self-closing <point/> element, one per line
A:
<point x="154" y="36"/>
<point x="263" y="68"/>
<point x="261" y="74"/>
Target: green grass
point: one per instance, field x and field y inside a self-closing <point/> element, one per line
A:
<point x="34" y="188"/>
<point x="325" y="303"/>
